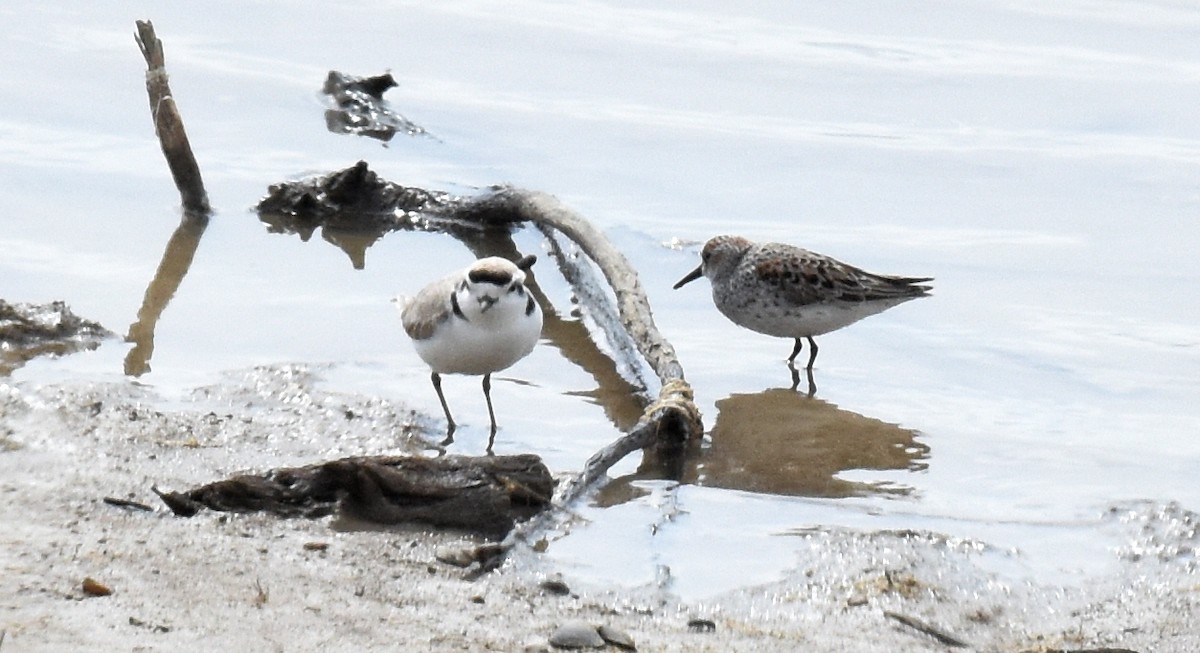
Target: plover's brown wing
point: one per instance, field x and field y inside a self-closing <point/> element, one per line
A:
<point x="806" y="277"/>
<point x="421" y="314"/>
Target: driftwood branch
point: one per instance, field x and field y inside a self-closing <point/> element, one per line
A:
<point x="670" y="420"/>
<point x="632" y="304"/>
<point x="168" y="124"/>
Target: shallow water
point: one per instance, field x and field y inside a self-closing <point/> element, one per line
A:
<point x="1040" y="163"/>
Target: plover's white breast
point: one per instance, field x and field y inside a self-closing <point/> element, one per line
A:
<point x="483" y="342"/>
<point x="477" y="321"/>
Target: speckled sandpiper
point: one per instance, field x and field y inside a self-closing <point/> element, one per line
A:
<point x="788" y="292"/>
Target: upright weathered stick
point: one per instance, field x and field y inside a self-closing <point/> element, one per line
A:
<point x="168" y="124"/>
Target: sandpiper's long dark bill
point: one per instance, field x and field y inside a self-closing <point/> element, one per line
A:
<point x="788" y="292"/>
<point x="478" y="320"/>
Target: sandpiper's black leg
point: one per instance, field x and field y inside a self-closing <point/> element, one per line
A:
<point x="812" y="348"/>
<point x="795" y="351"/>
<point x="437" y="385"/>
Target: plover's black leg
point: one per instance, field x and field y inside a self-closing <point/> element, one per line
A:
<point x="450" y="425"/>
<point x="487" y="394"/>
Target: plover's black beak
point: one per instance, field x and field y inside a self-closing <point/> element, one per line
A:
<point x="487" y="301"/>
<point x="526" y="262"/>
<point x="692" y="276"/>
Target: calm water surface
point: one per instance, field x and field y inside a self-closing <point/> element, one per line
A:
<point x="1040" y="163"/>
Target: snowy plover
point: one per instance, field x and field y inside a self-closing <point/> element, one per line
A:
<point x="476" y="321"/>
<point x="784" y="291"/>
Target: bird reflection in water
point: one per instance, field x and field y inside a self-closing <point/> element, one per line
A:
<point x="782" y="442"/>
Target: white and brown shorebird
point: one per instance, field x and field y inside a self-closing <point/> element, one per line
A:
<point x="478" y="320"/>
<point x="788" y="292"/>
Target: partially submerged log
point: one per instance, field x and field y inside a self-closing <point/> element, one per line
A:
<point x="484" y="494"/>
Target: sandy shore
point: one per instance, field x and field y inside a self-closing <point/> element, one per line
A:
<point x="260" y="583"/>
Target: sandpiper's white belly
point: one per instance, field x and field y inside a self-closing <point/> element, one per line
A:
<point x="783" y="320"/>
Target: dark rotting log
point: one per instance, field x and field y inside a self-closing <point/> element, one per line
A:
<point x="354" y="198"/>
<point x="168" y="124"/>
<point x="483" y="494"/>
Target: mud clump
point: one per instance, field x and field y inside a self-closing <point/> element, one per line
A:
<point x="31" y="330"/>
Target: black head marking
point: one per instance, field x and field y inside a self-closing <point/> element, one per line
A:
<point x="494" y="277"/>
<point x="455" y="307"/>
<point x="529" y="306"/>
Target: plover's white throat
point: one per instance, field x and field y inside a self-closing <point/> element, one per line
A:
<point x="476" y="321"/>
<point x="785" y="291"/>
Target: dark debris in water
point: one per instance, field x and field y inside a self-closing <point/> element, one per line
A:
<point x="359" y="107"/>
<point x="31" y="330"/>
<point x="355" y="207"/>
<point x="353" y="198"/>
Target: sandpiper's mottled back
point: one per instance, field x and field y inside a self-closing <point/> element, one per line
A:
<point x="785" y="291"/>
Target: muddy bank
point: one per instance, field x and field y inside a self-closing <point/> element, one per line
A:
<point x="31" y="330"/>
<point x="257" y="582"/>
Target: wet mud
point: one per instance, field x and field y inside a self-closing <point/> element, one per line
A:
<point x="31" y="330"/>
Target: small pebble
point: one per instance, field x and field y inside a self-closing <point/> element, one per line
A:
<point x="555" y="586"/>
<point x="702" y="626"/>
<point x="93" y="587"/>
<point x="458" y="556"/>
<point x="576" y="634"/>
<point x="316" y="546"/>
<point x="617" y="638"/>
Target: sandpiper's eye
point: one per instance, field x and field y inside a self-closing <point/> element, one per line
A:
<point x="704" y="256"/>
